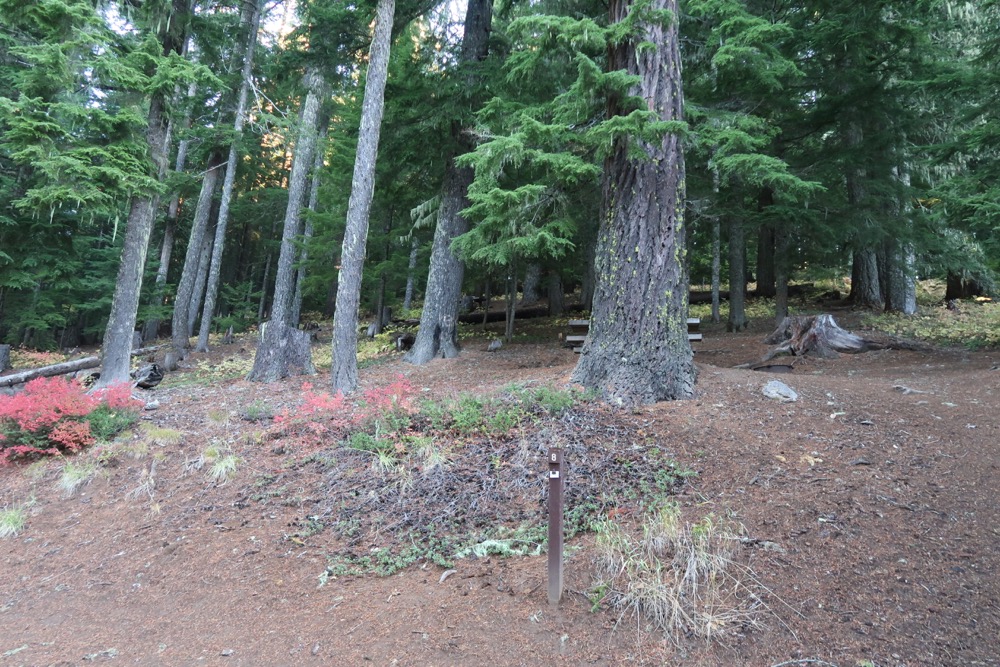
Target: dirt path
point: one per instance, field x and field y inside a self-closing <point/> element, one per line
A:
<point x="875" y="492"/>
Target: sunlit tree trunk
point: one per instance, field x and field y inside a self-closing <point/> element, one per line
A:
<point x="344" y="371"/>
<point x="252" y="22"/>
<point x="117" y="348"/>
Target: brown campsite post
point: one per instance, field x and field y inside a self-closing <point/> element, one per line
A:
<point x="555" y="525"/>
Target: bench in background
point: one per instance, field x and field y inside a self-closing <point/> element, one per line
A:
<point x="578" y="330"/>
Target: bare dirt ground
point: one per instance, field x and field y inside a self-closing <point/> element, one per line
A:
<point x="876" y="492"/>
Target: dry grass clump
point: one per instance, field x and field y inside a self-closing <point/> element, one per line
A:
<point x="682" y="578"/>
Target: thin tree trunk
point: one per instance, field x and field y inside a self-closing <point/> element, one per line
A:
<point x="766" y="269"/>
<point x="199" y="284"/>
<point x="181" y="328"/>
<point x="118" y="336"/>
<point x="152" y="326"/>
<point x="511" y="306"/>
<point x="438" y="332"/>
<point x="271" y="363"/>
<point x="737" y="278"/>
<point x="410" y="270"/>
<point x="638" y="350"/>
<point x="901" y="272"/>
<point x="265" y="281"/>
<point x="781" y="268"/>
<point x="215" y="271"/>
<point x="307" y="234"/>
<point x="716" y="268"/>
<point x="380" y="306"/>
<point x="344" y="371"/>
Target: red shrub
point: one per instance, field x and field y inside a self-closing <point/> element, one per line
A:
<point x="45" y="418"/>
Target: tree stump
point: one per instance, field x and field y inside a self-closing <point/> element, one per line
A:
<point x="817" y="335"/>
<point x="283" y="352"/>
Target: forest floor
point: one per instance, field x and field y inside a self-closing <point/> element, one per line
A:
<point x="868" y="507"/>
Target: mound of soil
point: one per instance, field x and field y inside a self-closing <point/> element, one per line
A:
<point x="868" y="507"/>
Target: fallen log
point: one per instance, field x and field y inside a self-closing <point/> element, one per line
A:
<point x="63" y="368"/>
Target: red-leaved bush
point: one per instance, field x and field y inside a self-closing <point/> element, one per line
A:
<point x="50" y="417"/>
<point x="322" y="417"/>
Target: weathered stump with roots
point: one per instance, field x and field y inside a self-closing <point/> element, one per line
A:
<point x="817" y="335"/>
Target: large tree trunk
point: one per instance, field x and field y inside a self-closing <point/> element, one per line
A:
<point x="438" y="332"/>
<point x="118" y="335"/>
<point x="638" y="350"/>
<point x="531" y="289"/>
<point x="555" y="294"/>
<point x="766" y="269"/>
<point x="272" y="361"/>
<point x="344" y="371"/>
<point x="865" y="291"/>
<point x="252" y="21"/>
<point x="737" y="277"/>
<point x="181" y="328"/>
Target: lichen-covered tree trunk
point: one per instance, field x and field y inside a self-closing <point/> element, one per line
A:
<point x="438" y="332"/>
<point x="737" y="277"/>
<point x="638" y="350"/>
<point x="118" y="336"/>
<point x="251" y="20"/>
<point x="181" y="327"/>
<point x="276" y="358"/>
<point x="344" y="370"/>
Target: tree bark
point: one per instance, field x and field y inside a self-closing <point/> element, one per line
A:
<point x="766" y="269"/>
<point x="4" y="357"/>
<point x="411" y="268"/>
<point x="438" y="332"/>
<point x="307" y="233"/>
<point x="181" y="327"/>
<point x="737" y="278"/>
<point x="531" y="288"/>
<point x="344" y="371"/>
<point x="228" y="185"/>
<point x="202" y="278"/>
<point x="152" y="327"/>
<point x="638" y="351"/>
<point x="716" y="268"/>
<point x="117" y="346"/>
<point x="865" y="292"/>
<point x="270" y="363"/>
<point x="557" y="302"/>
<point x="781" y="269"/>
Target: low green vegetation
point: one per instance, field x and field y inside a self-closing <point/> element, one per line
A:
<point x="12" y="520"/>
<point x="406" y="479"/>
<point x="973" y="325"/>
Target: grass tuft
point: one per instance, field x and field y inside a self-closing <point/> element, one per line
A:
<point x="682" y="578"/>
<point x="75" y="476"/>
<point x="12" y="520"/>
